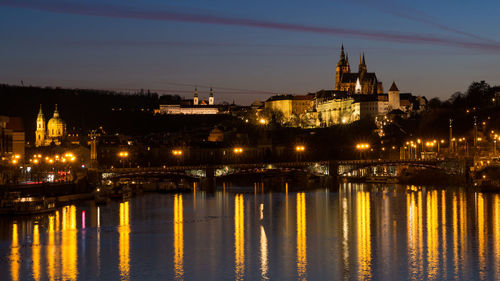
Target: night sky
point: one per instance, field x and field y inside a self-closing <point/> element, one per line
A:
<point x="247" y="50"/>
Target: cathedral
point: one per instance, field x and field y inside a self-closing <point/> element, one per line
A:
<point x="362" y="82"/>
<point x="54" y="132"/>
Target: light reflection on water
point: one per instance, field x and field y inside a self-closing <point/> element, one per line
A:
<point x="301" y="237"/>
<point x="357" y="232"/>
<point x="124" y="231"/>
<point x="178" y="238"/>
<point x="239" y="237"/>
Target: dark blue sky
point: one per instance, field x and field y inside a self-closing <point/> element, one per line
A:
<point x="247" y="50"/>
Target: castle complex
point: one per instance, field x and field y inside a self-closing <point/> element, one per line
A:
<point x="356" y="95"/>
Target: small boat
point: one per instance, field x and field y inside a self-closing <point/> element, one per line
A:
<point x="14" y="204"/>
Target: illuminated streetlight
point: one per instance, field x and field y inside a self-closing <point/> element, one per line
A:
<point x="177" y="152"/>
<point x="362" y="146"/>
<point x="262" y="121"/>
<point x="123" y="154"/>
<point x="300" y="148"/>
<point x="238" y="150"/>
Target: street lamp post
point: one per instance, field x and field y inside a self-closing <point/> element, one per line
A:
<point x="237" y="152"/>
<point x="362" y="147"/>
<point x="451" y="135"/>
<point x="299" y="149"/>
<point x="177" y="153"/>
<point x="123" y="155"/>
<point x="475" y="134"/>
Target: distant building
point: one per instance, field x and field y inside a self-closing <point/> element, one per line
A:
<point x="12" y="136"/>
<point x="216" y="135"/>
<point x="52" y="133"/>
<point x="361" y="82"/>
<point x="190" y="107"/>
<point x="334" y="108"/>
<point x="289" y="105"/>
<point x="356" y="95"/>
<point x="371" y="105"/>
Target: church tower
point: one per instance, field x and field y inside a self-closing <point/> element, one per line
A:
<point x="40" y="128"/>
<point x="211" y="97"/>
<point x="342" y="67"/>
<point x="195" y="99"/>
<point x="362" y="65"/>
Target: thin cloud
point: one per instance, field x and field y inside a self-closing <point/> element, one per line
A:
<point x="112" y="11"/>
<point x="400" y="10"/>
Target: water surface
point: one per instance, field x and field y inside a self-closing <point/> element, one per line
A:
<point x="357" y="232"/>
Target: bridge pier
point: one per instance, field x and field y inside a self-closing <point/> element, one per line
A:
<point x="208" y="183"/>
<point x="333" y="175"/>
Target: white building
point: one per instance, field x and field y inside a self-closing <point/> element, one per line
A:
<point x="191" y="108"/>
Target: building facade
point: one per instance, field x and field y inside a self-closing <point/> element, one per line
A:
<point x="12" y="136"/>
<point x="52" y="132"/>
<point x="337" y="110"/>
<point x="191" y="107"/>
<point x="291" y="106"/>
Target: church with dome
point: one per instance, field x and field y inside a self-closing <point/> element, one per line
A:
<point x="52" y="132"/>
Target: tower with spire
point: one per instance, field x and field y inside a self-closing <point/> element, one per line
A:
<point x="362" y="65"/>
<point x="40" y="128"/>
<point x="342" y="67"/>
<point x="211" y="97"/>
<point x="52" y="132"/>
<point x="195" y="99"/>
<point x="362" y="82"/>
<point x="394" y="97"/>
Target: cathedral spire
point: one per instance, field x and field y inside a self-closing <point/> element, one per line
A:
<point x="362" y="65"/>
<point x="211" y="92"/>
<point x="342" y="54"/>
<point x="56" y="112"/>
<point x="40" y="113"/>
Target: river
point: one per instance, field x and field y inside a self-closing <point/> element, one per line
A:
<point x="355" y="232"/>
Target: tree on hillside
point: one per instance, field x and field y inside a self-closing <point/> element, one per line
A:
<point x="479" y="94"/>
